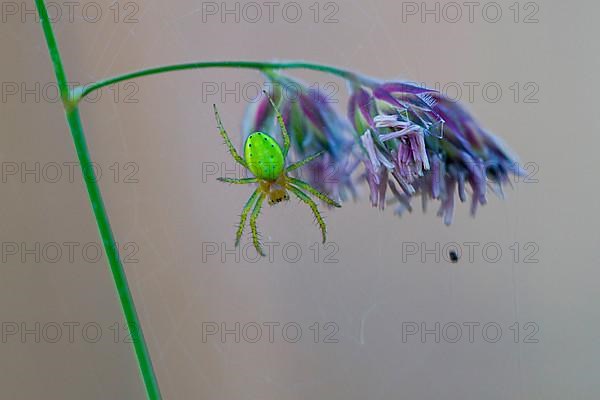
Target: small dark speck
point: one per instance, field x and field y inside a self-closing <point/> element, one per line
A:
<point x="453" y="256"/>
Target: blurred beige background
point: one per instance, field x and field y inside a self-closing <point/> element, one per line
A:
<point x="156" y="145"/>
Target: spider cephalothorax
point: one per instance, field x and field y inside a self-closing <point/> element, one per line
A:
<point x="275" y="191"/>
<point x="265" y="159"/>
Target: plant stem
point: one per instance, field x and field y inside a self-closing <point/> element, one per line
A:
<point x="95" y="197"/>
<point x="83" y="91"/>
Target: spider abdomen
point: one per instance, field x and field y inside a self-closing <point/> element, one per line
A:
<point x="263" y="156"/>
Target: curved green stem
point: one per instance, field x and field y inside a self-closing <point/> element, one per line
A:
<point x="82" y="91"/>
<point x="106" y="234"/>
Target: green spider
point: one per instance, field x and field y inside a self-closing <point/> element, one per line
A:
<point x="266" y="161"/>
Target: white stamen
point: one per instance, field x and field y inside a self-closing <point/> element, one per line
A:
<point x="389" y="121"/>
<point x="397" y="134"/>
<point x="367" y="141"/>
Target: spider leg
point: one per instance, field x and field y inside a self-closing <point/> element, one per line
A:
<point x="313" y="206"/>
<point x="321" y="196"/>
<point x="253" y="219"/>
<point x="286" y="138"/>
<point x="245" y="211"/>
<point x="225" y="137"/>
<point x="299" y="164"/>
<point x="242" y="181"/>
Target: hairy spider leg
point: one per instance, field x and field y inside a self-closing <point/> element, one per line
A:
<point x="245" y="211"/>
<point x="299" y="164"/>
<point x="225" y="137"/>
<point x="253" y="228"/>
<point x="286" y="138"/>
<point x="313" y="206"/>
<point x="238" y="181"/>
<point x="321" y="196"/>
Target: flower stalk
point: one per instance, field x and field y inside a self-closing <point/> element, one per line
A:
<point x="97" y="203"/>
<point x="264" y="66"/>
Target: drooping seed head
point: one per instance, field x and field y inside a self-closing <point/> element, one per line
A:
<point x="263" y="156"/>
